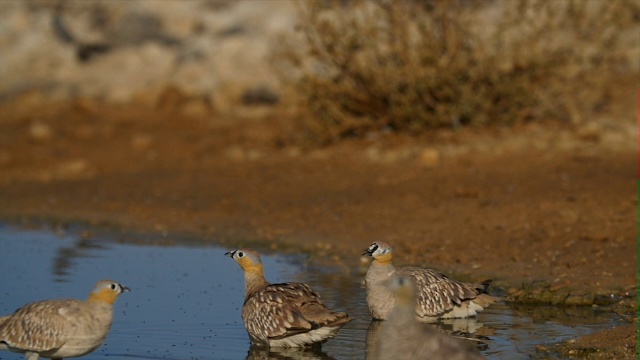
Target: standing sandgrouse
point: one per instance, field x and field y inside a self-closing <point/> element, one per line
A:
<point x="58" y="329"/>
<point x="403" y="337"/>
<point x="437" y="295"/>
<point x="283" y="315"/>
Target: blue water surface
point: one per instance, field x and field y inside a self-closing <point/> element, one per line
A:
<point x="186" y="298"/>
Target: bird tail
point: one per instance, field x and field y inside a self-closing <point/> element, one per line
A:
<point x="484" y="299"/>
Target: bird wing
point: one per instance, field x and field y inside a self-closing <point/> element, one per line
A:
<point x="40" y="326"/>
<point x="436" y="293"/>
<point x="281" y="310"/>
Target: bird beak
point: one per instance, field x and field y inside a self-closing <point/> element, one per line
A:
<point x="367" y="252"/>
<point x="370" y="250"/>
<point x="124" y="288"/>
<point x="230" y="253"/>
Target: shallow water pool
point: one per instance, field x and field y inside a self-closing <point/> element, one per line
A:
<point x="185" y="300"/>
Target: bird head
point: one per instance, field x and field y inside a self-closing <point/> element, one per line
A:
<point x="249" y="260"/>
<point x="380" y="251"/>
<point x="107" y="291"/>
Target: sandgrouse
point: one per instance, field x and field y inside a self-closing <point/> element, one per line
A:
<point x="59" y="329"/>
<point x="437" y="295"/>
<point x="403" y="337"/>
<point x="283" y="315"/>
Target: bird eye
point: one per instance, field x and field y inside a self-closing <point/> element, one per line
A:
<point x="240" y="254"/>
<point x="113" y="286"/>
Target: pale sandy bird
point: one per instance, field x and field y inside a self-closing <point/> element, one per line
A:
<point x="402" y="336"/>
<point x="59" y="329"/>
<point x="438" y="297"/>
<point x="283" y="315"/>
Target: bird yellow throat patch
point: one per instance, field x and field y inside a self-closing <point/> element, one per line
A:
<point x="251" y="267"/>
<point x="384" y="259"/>
<point x="106" y="295"/>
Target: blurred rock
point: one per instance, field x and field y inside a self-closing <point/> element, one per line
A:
<point x="135" y="28"/>
<point x="198" y="107"/>
<point x="74" y="169"/>
<point x="84" y="132"/>
<point x="113" y="50"/>
<point x="87" y="52"/>
<point x="30" y="98"/>
<point x="40" y="131"/>
<point x="429" y="157"/>
<point x="141" y="142"/>
<point x="260" y="95"/>
<point x="171" y="98"/>
<point x="238" y="153"/>
<point x="85" y="106"/>
<point x="389" y="156"/>
<point x="590" y="132"/>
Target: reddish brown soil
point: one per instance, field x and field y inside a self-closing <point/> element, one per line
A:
<point x="620" y="343"/>
<point x="548" y="212"/>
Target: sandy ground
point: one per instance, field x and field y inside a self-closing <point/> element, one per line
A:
<point x="547" y="212"/>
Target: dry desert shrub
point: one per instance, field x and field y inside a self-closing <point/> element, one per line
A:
<point x="410" y="66"/>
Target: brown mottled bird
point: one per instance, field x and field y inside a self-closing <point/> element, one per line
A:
<point x="283" y="315"/>
<point x="403" y="337"/>
<point x="437" y="295"/>
<point x="59" y="329"/>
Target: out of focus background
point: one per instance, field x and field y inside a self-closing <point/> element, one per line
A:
<point x="351" y="68"/>
<point x="135" y="51"/>
<point x="485" y="139"/>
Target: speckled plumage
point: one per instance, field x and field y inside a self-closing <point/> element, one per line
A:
<point x="438" y="296"/>
<point x="402" y="336"/>
<point x="61" y="328"/>
<point x="283" y="315"/>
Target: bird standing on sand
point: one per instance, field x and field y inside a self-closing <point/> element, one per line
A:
<point x="283" y="315"/>
<point x="437" y="295"/>
<point x="59" y="329"/>
<point x="403" y="337"/>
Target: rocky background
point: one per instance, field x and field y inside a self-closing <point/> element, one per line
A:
<point x="202" y="54"/>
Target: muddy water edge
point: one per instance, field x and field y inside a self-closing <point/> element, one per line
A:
<point x="189" y="295"/>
